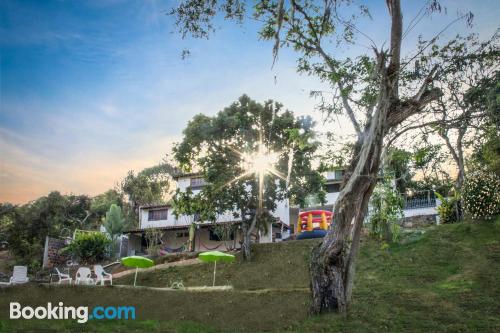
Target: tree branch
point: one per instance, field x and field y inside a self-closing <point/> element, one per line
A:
<point x="349" y="111"/>
<point x="424" y="96"/>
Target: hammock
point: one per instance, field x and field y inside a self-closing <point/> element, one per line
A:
<point x="206" y="247"/>
<point x="167" y="249"/>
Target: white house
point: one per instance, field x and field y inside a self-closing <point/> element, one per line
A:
<point x="175" y="231"/>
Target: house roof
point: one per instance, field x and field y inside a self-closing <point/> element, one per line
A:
<point x="157" y="205"/>
<point x="186" y="175"/>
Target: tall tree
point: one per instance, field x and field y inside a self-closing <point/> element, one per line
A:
<point x="100" y="203"/>
<point x="485" y="96"/>
<point x="462" y="110"/>
<point x="377" y="91"/>
<point x="151" y="185"/>
<point x="251" y="155"/>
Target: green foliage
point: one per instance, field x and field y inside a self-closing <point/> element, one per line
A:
<point x="444" y="281"/>
<point x="196" y="207"/>
<point x="148" y="186"/>
<point x="89" y="247"/>
<point x="487" y="151"/>
<point x="447" y="210"/>
<point x="6" y="221"/>
<point x="153" y="240"/>
<point x="425" y="155"/>
<point x="481" y="194"/>
<point x="101" y="203"/>
<point x="115" y="223"/>
<point x="216" y="146"/>
<point x="224" y="231"/>
<point x="387" y="209"/>
<point x="27" y="226"/>
<point x="141" y="189"/>
<point x="484" y="96"/>
<point x="427" y="161"/>
<point x="399" y="165"/>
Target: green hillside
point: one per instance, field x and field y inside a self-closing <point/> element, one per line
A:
<point x="446" y="280"/>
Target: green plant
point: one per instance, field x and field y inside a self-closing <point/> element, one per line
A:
<point x="153" y="239"/>
<point x="387" y="209"/>
<point x="89" y="247"/>
<point x="447" y="210"/>
<point x="481" y="194"/>
<point x="114" y="223"/>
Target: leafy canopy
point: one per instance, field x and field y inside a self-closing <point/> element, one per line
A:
<point x="215" y="146"/>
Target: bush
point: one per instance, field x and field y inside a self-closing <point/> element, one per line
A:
<point x="387" y="209"/>
<point x="89" y="247"/>
<point x="447" y="210"/>
<point x="481" y="194"/>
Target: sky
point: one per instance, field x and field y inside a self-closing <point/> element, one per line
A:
<point x="92" y="89"/>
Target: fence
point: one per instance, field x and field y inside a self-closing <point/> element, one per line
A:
<point x="422" y="199"/>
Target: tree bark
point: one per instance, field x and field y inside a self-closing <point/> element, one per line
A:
<point x="332" y="261"/>
<point x="246" y="246"/>
<point x="247" y="230"/>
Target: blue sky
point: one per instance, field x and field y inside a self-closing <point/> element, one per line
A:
<point x="92" y="89"/>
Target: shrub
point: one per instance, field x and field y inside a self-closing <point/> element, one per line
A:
<point x="481" y="194"/>
<point x="153" y="240"/>
<point x="89" y="247"/>
<point x="447" y="210"/>
<point x="387" y="209"/>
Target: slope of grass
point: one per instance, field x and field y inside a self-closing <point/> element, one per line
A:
<point x="445" y="280"/>
<point x="279" y="265"/>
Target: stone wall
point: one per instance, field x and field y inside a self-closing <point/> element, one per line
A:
<point x="418" y="221"/>
<point x="51" y="255"/>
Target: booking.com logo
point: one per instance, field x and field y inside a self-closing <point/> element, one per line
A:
<point x="80" y="313"/>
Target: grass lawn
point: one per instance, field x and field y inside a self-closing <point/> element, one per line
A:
<point x="445" y="280"/>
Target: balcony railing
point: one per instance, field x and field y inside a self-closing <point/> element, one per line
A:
<point x="422" y="199"/>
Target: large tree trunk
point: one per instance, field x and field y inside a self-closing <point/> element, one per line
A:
<point x="246" y="245"/>
<point x="247" y="230"/>
<point x="332" y="261"/>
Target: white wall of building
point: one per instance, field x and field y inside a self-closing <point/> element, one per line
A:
<point x="331" y="198"/>
<point x="420" y="211"/>
<point x="281" y="212"/>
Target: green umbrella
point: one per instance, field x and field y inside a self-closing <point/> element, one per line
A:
<point x="214" y="256"/>
<point x="137" y="262"/>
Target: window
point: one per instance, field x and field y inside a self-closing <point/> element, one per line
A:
<point x="182" y="234"/>
<point x="339" y="174"/>
<point x="158" y="214"/>
<point x="196" y="183"/>
<point x="332" y="188"/>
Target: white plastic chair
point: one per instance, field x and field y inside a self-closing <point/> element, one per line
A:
<point x="63" y="277"/>
<point x="19" y="275"/>
<point x="84" y="275"/>
<point x="102" y="275"/>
